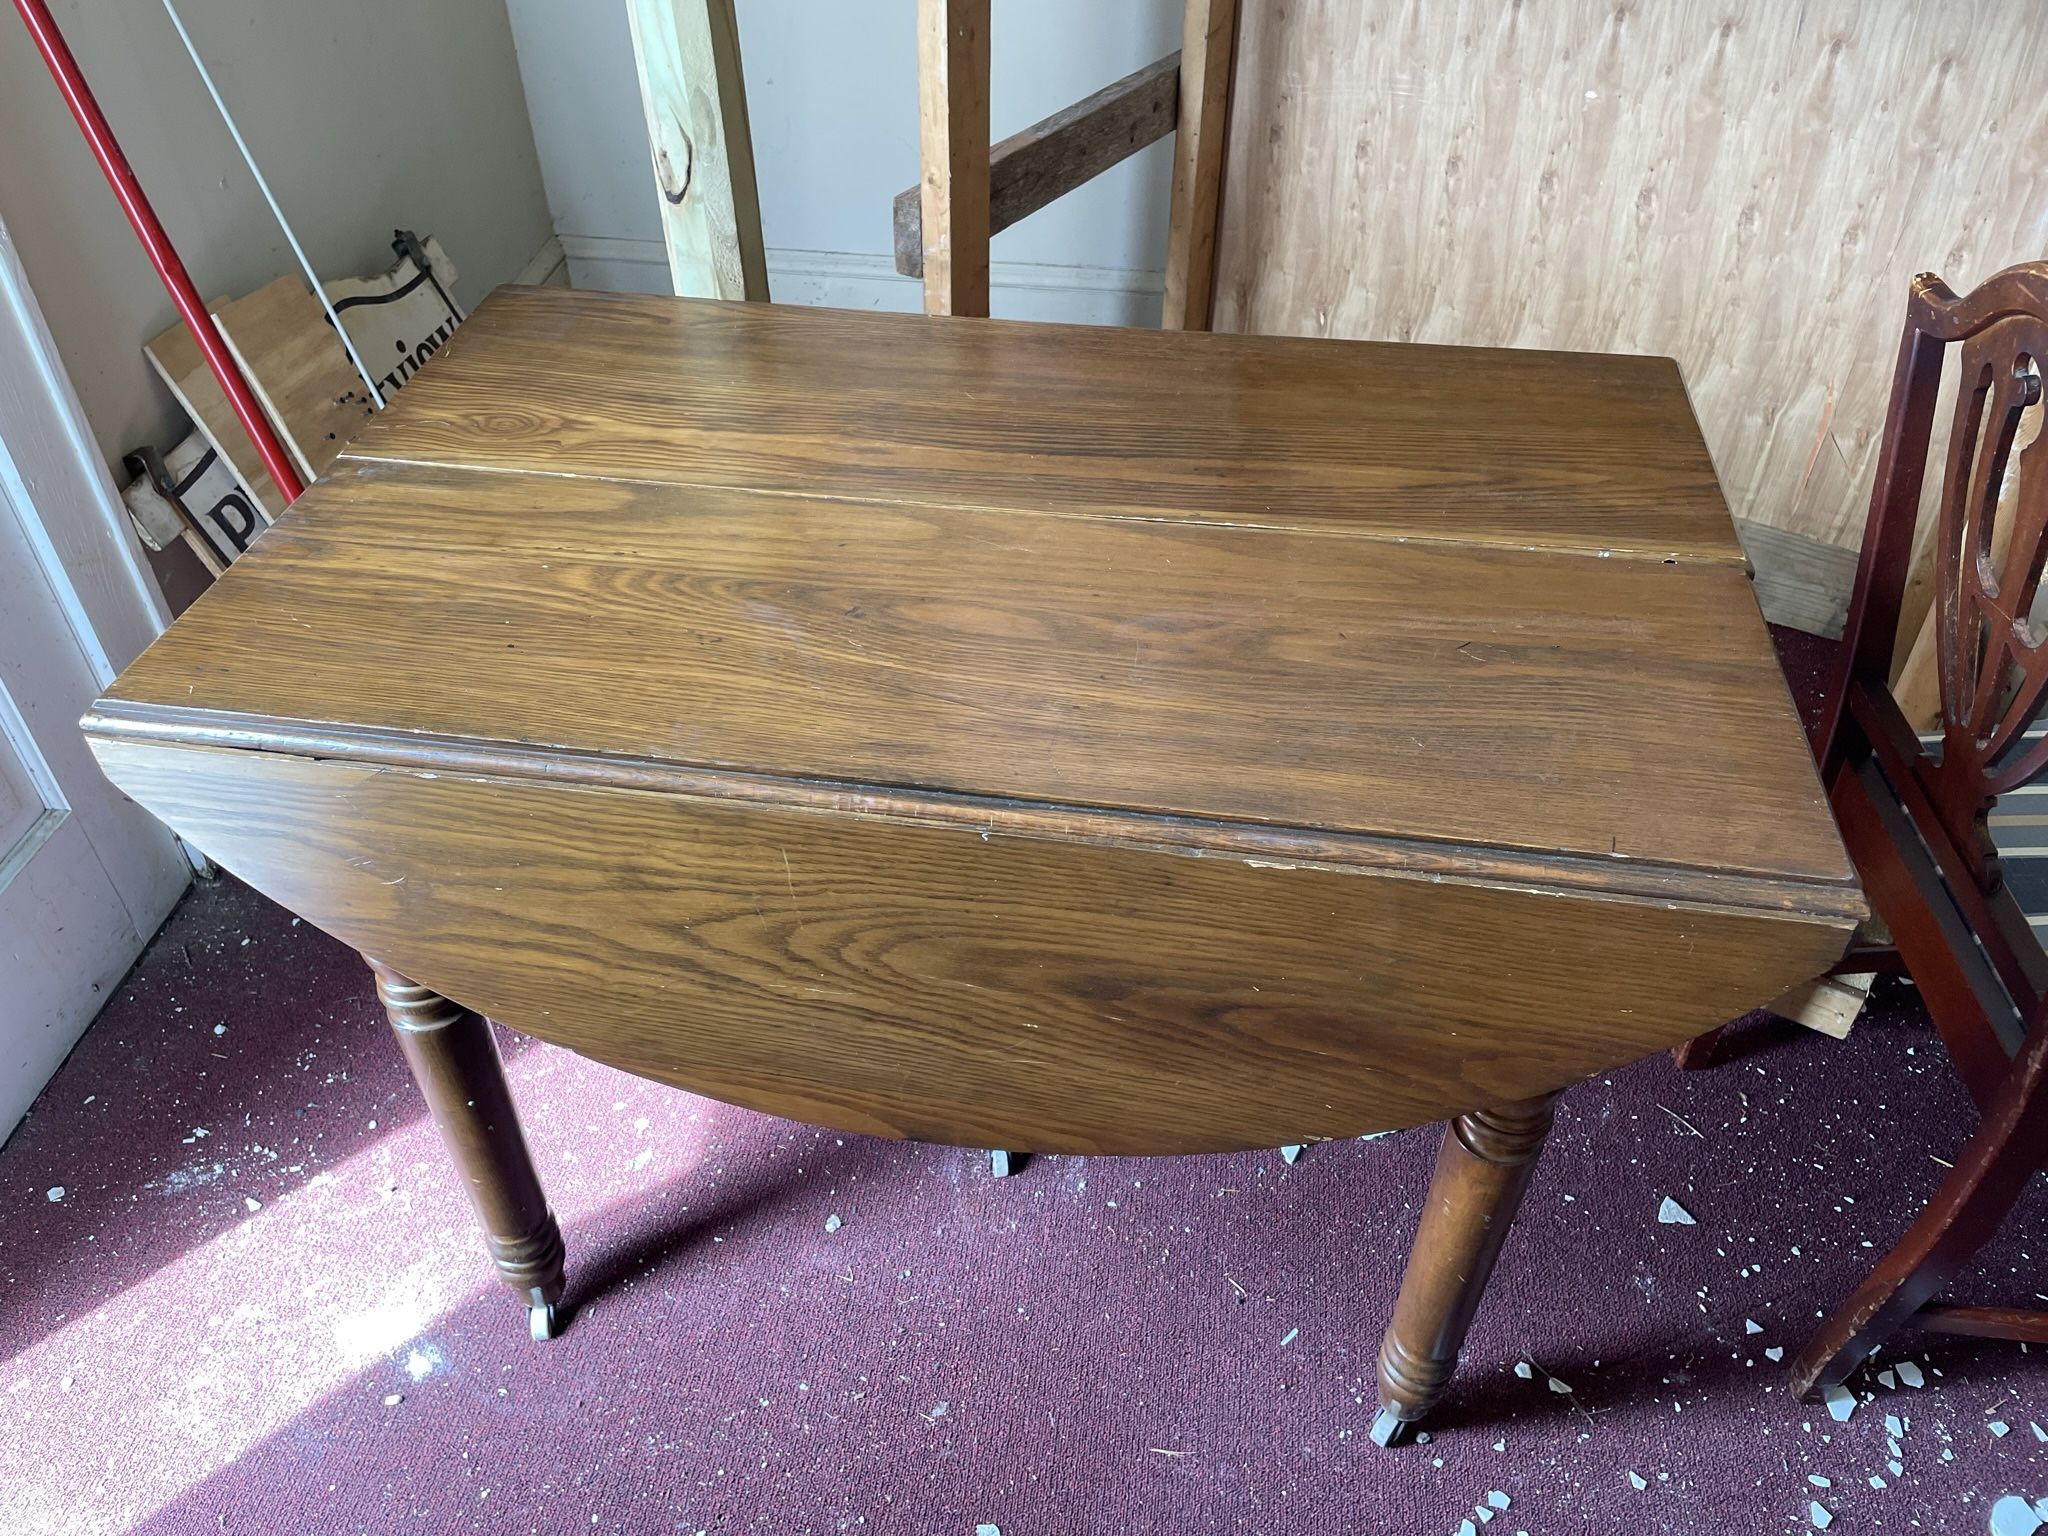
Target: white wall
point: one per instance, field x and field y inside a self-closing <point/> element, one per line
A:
<point x="364" y="116"/>
<point x="832" y="95"/>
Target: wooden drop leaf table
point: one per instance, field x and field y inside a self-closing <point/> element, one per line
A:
<point x="1018" y="736"/>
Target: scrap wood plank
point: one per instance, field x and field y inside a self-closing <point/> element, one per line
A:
<point x="687" y="55"/>
<point x="1801" y="581"/>
<point x="1208" y="50"/>
<point x="180" y="364"/>
<point x="1828" y="1004"/>
<point x="1057" y="154"/>
<point x="299" y="369"/>
<point x="953" y="154"/>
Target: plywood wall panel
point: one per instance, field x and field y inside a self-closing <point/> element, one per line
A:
<point x="1747" y="187"/>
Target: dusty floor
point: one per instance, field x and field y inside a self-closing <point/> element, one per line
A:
<point x="242" y="1293"/>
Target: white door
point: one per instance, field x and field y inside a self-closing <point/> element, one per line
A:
<point x="85" y="875"/>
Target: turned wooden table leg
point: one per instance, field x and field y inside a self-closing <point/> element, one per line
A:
<point x="454" y="1058"/>
<point x="1481" y="1172"/>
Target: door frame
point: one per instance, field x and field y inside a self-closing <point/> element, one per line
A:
<point x="92" y="876"/>
<point x="92" y="557"/>
<point x="93" y="560"/>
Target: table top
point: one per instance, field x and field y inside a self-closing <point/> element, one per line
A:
<point x="1406" y="606"/>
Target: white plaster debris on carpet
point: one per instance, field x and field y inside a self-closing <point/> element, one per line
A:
<point x="1672" y="1214"/>
<point x="2012" y="1515"/>
<point x="1847" y="1479"/>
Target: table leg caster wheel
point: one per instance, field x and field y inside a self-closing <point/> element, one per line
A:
<point x="1388" y="1431"/>
<point x="540" y="1321"/>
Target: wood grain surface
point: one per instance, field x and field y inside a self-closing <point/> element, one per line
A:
<point x="881" y="976"/>
<point x="1628" y="710"/>
<point x="953" y="154"/>
<point x="1208" y="49"/>
<point x="1526" y="449"/>
<point x="299" y="369"/>
<point x="182" y="366"/>
<point x="693" y="91"/>
<point x="1748" y="187"/>
<point x="1017" y="736"/>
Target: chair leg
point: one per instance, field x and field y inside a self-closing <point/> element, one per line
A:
<point x="1966" y="1210"/>
<point x="1482" y="1170"/>
<point x="454" y="1058"/>
<point x="1700" y="1051"/>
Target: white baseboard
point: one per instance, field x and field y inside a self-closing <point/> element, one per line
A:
<point x="859" y="280"/>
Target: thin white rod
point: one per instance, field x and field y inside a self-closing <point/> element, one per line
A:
<point x="312" y="277"/>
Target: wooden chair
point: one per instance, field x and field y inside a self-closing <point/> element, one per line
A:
<point x="1913" y="817"/>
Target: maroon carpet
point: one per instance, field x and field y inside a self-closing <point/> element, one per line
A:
<point x="242" y="1293"/>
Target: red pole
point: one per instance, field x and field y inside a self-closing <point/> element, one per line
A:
<point x="156" y="245"/>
